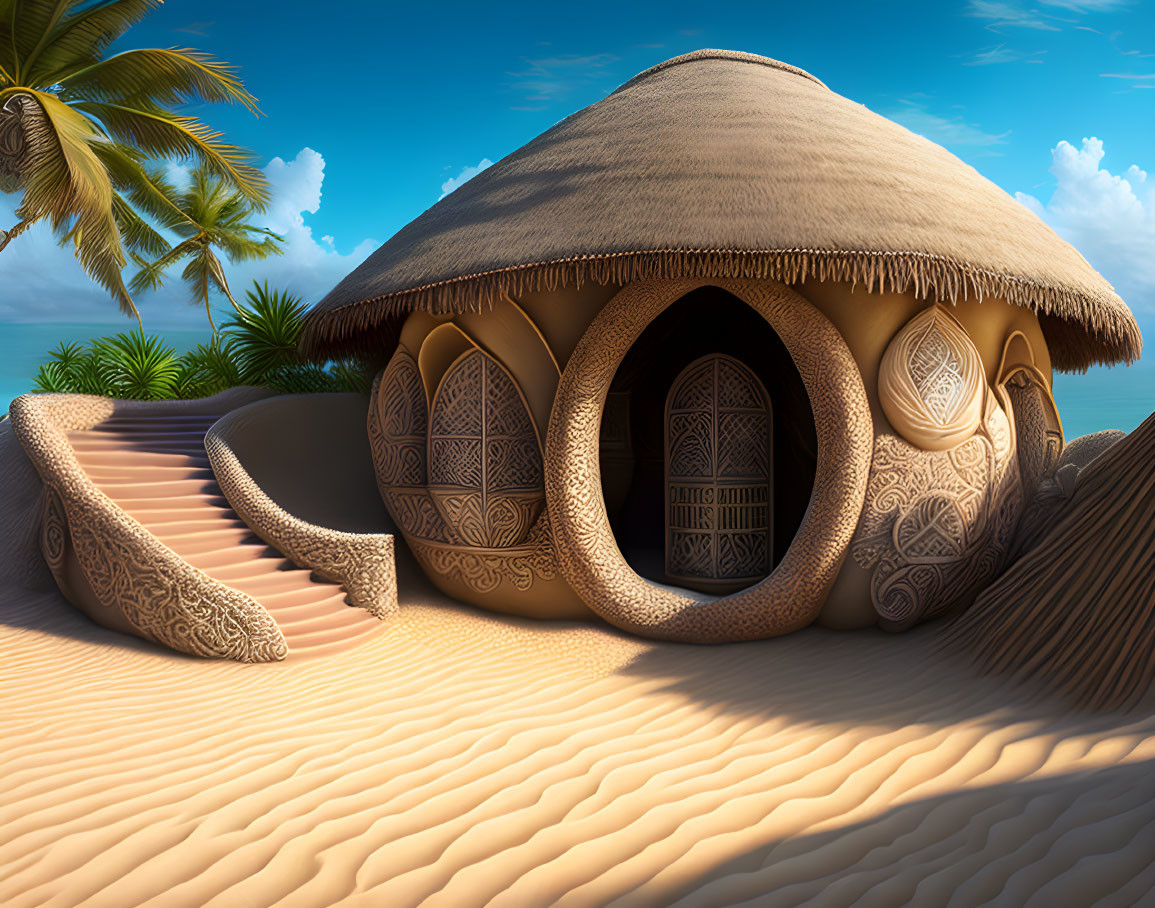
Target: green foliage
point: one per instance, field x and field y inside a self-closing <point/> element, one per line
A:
<point x="256" y="346"/>
<point x="128" y="365"/>
<point x="76" y="370"/>
<point x="207" y="216"/>
<point x="51" y="378"/>
<point x="353" y="374"/>
<point x="138" y="367"/>
<point x="80" y="124"/>
<point x="266" y="332"/>
<point x="208" y="369"/>
<point x="300" y="378"/>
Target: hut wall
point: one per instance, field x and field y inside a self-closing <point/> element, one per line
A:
<point x="936" y="525"/>
<point x="533" y="337"/>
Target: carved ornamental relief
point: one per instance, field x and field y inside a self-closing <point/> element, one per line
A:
<point x="398" y="438"/>
<point x="485" y="471"/>
<point x="937" y="523"/>
<point x="718" y="483"/>
<point x="463" y="479"/>
<point x="931" y="382"/>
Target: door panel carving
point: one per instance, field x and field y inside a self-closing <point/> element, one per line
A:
<point x="719" y="492"/>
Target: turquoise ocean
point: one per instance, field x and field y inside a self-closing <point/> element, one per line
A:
<point x="1115" y="398"/>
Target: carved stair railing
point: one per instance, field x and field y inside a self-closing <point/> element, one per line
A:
<point x="141" y="583"/>
<point x="361" y="562"/>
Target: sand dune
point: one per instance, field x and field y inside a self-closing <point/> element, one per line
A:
<point x="458" y="758"/>
<point x="463" y="759"/>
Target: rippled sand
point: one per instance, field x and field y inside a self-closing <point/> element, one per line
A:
<point x="465" y="759"/>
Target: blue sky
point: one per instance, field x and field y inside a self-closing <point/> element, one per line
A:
<point x="371" y="109"/>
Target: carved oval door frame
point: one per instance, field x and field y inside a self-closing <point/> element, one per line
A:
<point x="588" y="556"/>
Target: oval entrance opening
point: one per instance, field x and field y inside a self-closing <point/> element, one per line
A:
<point x="707" y="447"/>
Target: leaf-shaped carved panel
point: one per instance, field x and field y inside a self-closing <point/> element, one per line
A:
<point x="401" y="415"/>
<point x="398" y="442"/>
<point x="931" y="381"/>
<point x="485" y="469"/>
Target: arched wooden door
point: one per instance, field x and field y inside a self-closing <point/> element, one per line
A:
<point x="719" y="476"/>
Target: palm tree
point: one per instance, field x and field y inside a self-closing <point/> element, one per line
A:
<point x="208" y="214"/>
<point x="76" y="127"/>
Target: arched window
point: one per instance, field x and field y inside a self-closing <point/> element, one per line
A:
<point x="485" y="470"/>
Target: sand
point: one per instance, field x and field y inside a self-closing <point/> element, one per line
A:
<point x="460" y="758"/>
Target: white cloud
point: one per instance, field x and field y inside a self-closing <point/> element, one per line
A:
<point x="949" y="131"/>
<point x="1015" y="14"/>
<point x="1010" y="15"/>
<point x="39" y="281"/>
<point x="1110" y="219"/>
<point x="1089" y="6"/>
<point x="547" y="80"/>
<point x="1003" y="54"/>
<point x="465" y="176"/>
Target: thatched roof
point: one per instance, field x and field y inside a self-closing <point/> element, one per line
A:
<point x="723" y="164"/>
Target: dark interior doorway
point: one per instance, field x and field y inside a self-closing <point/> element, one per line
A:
<point x="707" y="321"/>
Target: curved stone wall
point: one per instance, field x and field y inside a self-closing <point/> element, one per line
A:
<point x="793" y="595"/>
<point x="361" y="562"/>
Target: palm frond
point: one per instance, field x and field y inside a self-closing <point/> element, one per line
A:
<point x="150" y="275"/>
<point x="147" y="189"/>
<point x="216" y="273"/>
<point x="163" y="134"/>
<point x="30" y="25"/>
<point x="7" y="48"/>
<point x="67" y="183"/>
<point x="136" y="235"/>
<point x="241" y="248"/>
<point x="201" y="276"/>
<point x="163" y="76"/>
<point x="82" y="37"/>
<point x="64" y="176"/>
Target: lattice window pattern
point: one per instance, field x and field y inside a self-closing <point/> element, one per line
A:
<point x="719" y="472"/>
<point x="485" y="468"/>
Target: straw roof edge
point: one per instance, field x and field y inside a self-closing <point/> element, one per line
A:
<point x="1082" y="329"/>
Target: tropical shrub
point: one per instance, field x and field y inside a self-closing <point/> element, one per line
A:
<point x="128" y="365"/>
<point x="265" y="332"/>
<point x="208" y="369"/>
<point x="257" y="345"/>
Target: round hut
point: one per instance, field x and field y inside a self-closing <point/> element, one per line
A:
<point x="717" y="357"/>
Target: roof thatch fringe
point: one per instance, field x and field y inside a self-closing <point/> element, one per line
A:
<point x="1069" y="316"/>
<point x="1076" y="614"/>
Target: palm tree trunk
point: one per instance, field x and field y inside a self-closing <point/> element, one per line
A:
<point x="13" y="233"/>
<point x="236" y="305"/>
